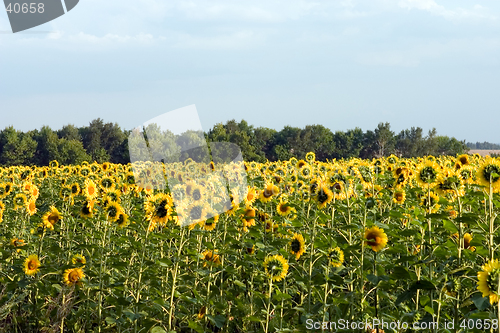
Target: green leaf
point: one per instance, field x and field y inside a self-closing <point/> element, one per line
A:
<point x="450" y="226"/>
<point x="400" y="273"/>
<point x="158" y="329"/>
<point x="480" y="302"/>
<point x="429" y="309"/>
<point x="217" y="320"/>
<point x="372" y="278"/>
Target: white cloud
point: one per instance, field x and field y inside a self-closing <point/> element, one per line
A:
<point x="477" y="12"/>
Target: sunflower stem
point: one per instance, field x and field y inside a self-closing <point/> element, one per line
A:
<point x="268" y="314"/>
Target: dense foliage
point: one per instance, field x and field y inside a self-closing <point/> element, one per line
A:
<point x="91" y="248"/>
<point x="107" y="142"/>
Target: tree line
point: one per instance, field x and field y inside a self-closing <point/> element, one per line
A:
<point x="101" y="142"/>
<point x="483" y="145"/>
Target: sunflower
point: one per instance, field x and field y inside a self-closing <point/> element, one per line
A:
<point x="31" y="207"/>
<point x="107" y="182"/>
<point x="16" y="242"/>
<point x="90" y="189"/>
<point x="324" y="195"/>
<point x="284" y="209"/>
<point x="375" y="238"/>
<point x="463" y="159"/>
<point x="51" y="218"/>
<point x="251" y="250"/>
<point x="31" y="265"/>
<point x="87" y="209"/>
<point x="276" y="267"/>
<point x="488" y="280"/>
<point x="75" y="189"/>
<point x="251" y="196"/>
<point x="113" y="211"/>
<point x="427" y="174"/>
<point x="268" y="192"/>
<point x="73" y="276"/>
<point x="431" y="202"/>
<point x="300" y="164"/>
<point x="2" y="209"/>
<point x="20" y="201"/>
<point x="122" y="220"/>
<point x="297" y="245"/>
<point x="248" y="216"/>
<point x="489" y="172"/>
<point x="210" y="258"/>
<point x="336" y="257"/>
<point x="209" y="224"/>
<point x="35" y="192"/>
<point x="306" y="171"/>
<point x="78" y="259"/>
<point x="467" y="240"/>
<point x="399" y="197"/>
<point x="202" y="312"/>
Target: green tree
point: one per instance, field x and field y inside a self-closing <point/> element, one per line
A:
<point x="16" y="148"/>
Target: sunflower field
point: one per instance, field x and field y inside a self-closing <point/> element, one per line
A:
<point x="92" y="248"/>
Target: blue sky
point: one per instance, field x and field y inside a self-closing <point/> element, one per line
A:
<point x="342" y="64"/>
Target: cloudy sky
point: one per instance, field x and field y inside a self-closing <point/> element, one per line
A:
<point x="342" y="64"/>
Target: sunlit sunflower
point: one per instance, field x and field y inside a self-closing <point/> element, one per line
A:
<point x="16" y="242"/>
<point x="463" y="159"/>
<point x="324" y="195"/>
<point x="202" y="312"/>
<point x="399" y="196"/>
<point x="268" y="192"/>
<point x="113" y="211"/>
<point x="248" y="217"/>
<point x="427" y="174"/>
<point x="276" y="267"/>
<point x="297" y="245"/>
<point x="78" y="259"/>
<point x="210" y="258"/>
<point x="122" y="220"/>
<point x="284" y="208"/>
<point x="20" y="201"/>
<point x="467" y="240"/>
<point x="32" y="265"/>
<point x="210" y="224"/>
<point x="375" y="238"/>
<point x="90" y="189"/>
<point x="87" y="209"/>
<point x="489" y="172"/>
<point x="73" y="276"/>
<point x="336" y="257"/>
<point x="430" y="202"/>
<point x="488" y="280"/>
<point x="251" y="196"/>
<point x="51" y="218"/>
<point x="31" y="207"/>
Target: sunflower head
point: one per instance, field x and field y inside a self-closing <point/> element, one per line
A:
<point x="488" y="280"/>
<point x="31" y="265"/>
<point x="375" y="238"/>
<point x="73" y="276"/>
<point x="297" y="245"/>
<point x="399" y="197"/>
<point x="276" y="267"/>
<point x="336" y="257"/>
<point x="51" y="218"/>
<point x="78" y="259"/>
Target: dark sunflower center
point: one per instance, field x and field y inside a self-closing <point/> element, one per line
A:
<point x="428" y="174"/>
<point x="161" y="211"/>
<point x="295" y="245"/>
<point x="53" y="218"/>
<point x="32" y="265"/>
<point x="268" y="193"/>
<point x="491" y="173"/>
<point x="322" y="196"/>
<point x="195" y="213"/>
<point x="112" y="211"/>
<point x="196" y="195"/>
